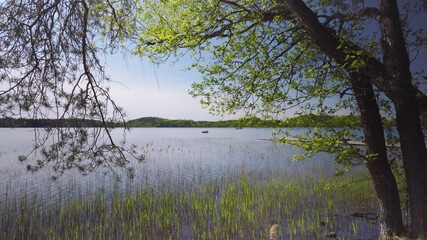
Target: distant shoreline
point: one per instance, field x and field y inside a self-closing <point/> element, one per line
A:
<point x="147" y="122"/>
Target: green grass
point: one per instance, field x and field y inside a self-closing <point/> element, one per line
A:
<point x="223" y="209"/>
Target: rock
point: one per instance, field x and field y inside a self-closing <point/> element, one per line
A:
<point x="274" y="232"/>
<point x="400" y="238"/>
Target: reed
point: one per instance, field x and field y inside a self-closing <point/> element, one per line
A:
<point x="227" y="208"/>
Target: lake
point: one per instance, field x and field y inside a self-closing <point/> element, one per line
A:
<point x="175" y="158"/>
<point x="184" y="155"/>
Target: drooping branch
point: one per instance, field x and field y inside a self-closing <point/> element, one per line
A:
<point x="50" y="68"/>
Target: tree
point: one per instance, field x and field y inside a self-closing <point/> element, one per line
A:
<point x="399" y="88"/>
<point x="266" y="58"/>
<point x="50" y="68"/>
<point x="403" y="95"/>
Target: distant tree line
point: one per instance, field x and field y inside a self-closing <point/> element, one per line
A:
<point x="310" y="120"/>
<point x="161" y="122"/>
<point x="42" y="123"/>
<point x="299" y="121"/>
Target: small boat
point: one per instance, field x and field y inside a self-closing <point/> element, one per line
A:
<point x="205" y="131"/>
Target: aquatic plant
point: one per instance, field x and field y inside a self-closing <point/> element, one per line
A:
<point x="228" y="208"/>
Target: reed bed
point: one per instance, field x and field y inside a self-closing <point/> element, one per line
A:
<point x="226" y="208"/>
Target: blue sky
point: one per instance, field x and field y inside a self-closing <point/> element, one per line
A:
<point x="143" y="89"/>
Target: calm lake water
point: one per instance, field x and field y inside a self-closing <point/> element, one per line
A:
<point x="173" y="157"/>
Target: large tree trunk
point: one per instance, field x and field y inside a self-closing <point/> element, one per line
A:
<point x="396" y="61"/>
<point x="396" y="83"/>
<point x="415" y="163"/>
<point x="383" y="178"/>
<point x="385" y="184"/>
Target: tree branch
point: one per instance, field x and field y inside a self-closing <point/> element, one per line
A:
<point x="327" y="39"/>
<point x="369" y="12"/>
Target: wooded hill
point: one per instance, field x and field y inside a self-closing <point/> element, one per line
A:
<point x="300" y="121"/>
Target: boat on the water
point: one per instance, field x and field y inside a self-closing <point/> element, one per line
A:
<point x="205" y="131"/>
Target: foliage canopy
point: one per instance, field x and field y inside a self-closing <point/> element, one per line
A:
<point x="256" y="59"/>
